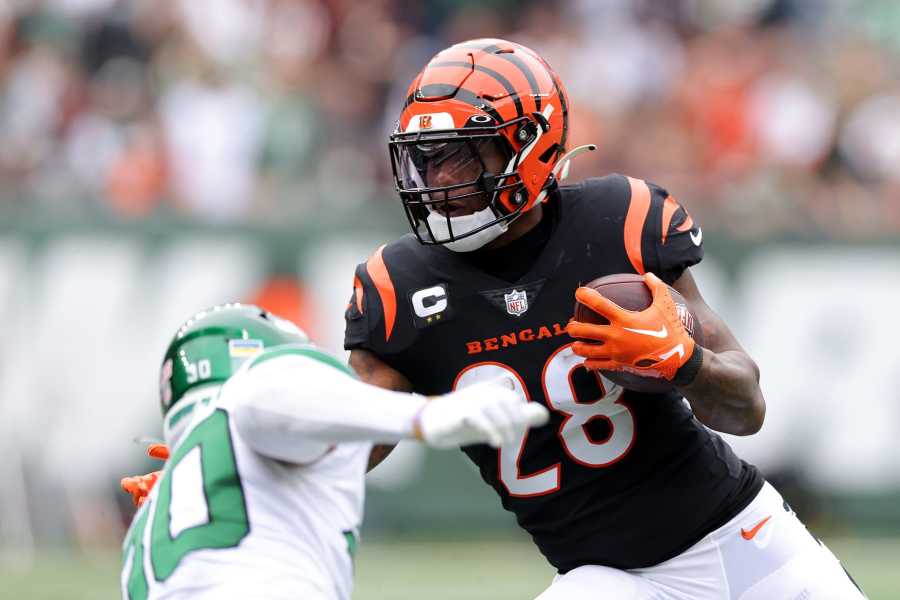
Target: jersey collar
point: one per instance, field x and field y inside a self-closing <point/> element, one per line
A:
<point x="179" y="416"/>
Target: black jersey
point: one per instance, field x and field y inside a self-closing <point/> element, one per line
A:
<point x="615" y="478"/>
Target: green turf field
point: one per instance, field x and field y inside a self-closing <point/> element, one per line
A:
<point x="413" y="570"/>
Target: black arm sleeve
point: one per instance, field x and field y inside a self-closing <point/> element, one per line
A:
<point x="671" y="241"/>
<point x="360" y="326"/>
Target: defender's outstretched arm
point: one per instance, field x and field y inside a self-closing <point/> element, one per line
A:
<point x="293" y="407"/>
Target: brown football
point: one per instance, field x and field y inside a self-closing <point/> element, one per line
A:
<point x="629" y="291"/>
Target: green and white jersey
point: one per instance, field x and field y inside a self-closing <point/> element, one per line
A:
<point x="225" y="521"/>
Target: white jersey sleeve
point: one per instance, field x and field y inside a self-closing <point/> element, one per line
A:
<point x="291" y="405"/>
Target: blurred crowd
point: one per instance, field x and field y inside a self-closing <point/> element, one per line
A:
<point x="766" y="118"/>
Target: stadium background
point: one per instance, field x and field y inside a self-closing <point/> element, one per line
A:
<point x="158" y="156"/>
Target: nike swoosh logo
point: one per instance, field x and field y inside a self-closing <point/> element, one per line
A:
<point x="679" y="350"/>
<point x="663" y="332"/>
<point x="697" y="238"/>
<point x="749" y="534"/>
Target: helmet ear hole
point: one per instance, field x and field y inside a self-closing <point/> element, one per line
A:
<point x="548" y="154"/>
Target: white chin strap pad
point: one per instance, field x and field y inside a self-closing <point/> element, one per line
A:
<point x="464" y="224"/>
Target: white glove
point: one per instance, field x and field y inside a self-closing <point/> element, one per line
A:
<point x="489" y="411"/>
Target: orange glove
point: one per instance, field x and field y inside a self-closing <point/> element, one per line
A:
<point x="139" y="486"/>
<point x="651" y="343"/>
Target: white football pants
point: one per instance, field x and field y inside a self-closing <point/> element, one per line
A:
<point x="764" y="553"/>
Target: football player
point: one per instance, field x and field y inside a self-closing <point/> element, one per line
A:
<point x="623" y="492"/>
<point x="269" y="437"/>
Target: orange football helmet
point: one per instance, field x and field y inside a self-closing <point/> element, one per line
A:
<point x="479" y="94"/>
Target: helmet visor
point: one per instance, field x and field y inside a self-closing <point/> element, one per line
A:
<point x="449" y="174"/>
<point x="445" y="162"/>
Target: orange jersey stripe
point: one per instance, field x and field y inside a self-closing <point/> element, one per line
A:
<point x="669" y="208"/>
<point x="377" y="270"/>
<point x="638" y="209"/>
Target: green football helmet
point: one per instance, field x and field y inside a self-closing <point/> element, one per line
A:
<point x="212" y="345"/>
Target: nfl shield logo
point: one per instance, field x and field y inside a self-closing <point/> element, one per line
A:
<point x="516" y="302"/>
<point x="687" y="319"/>
<point x="424" y="121"/>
